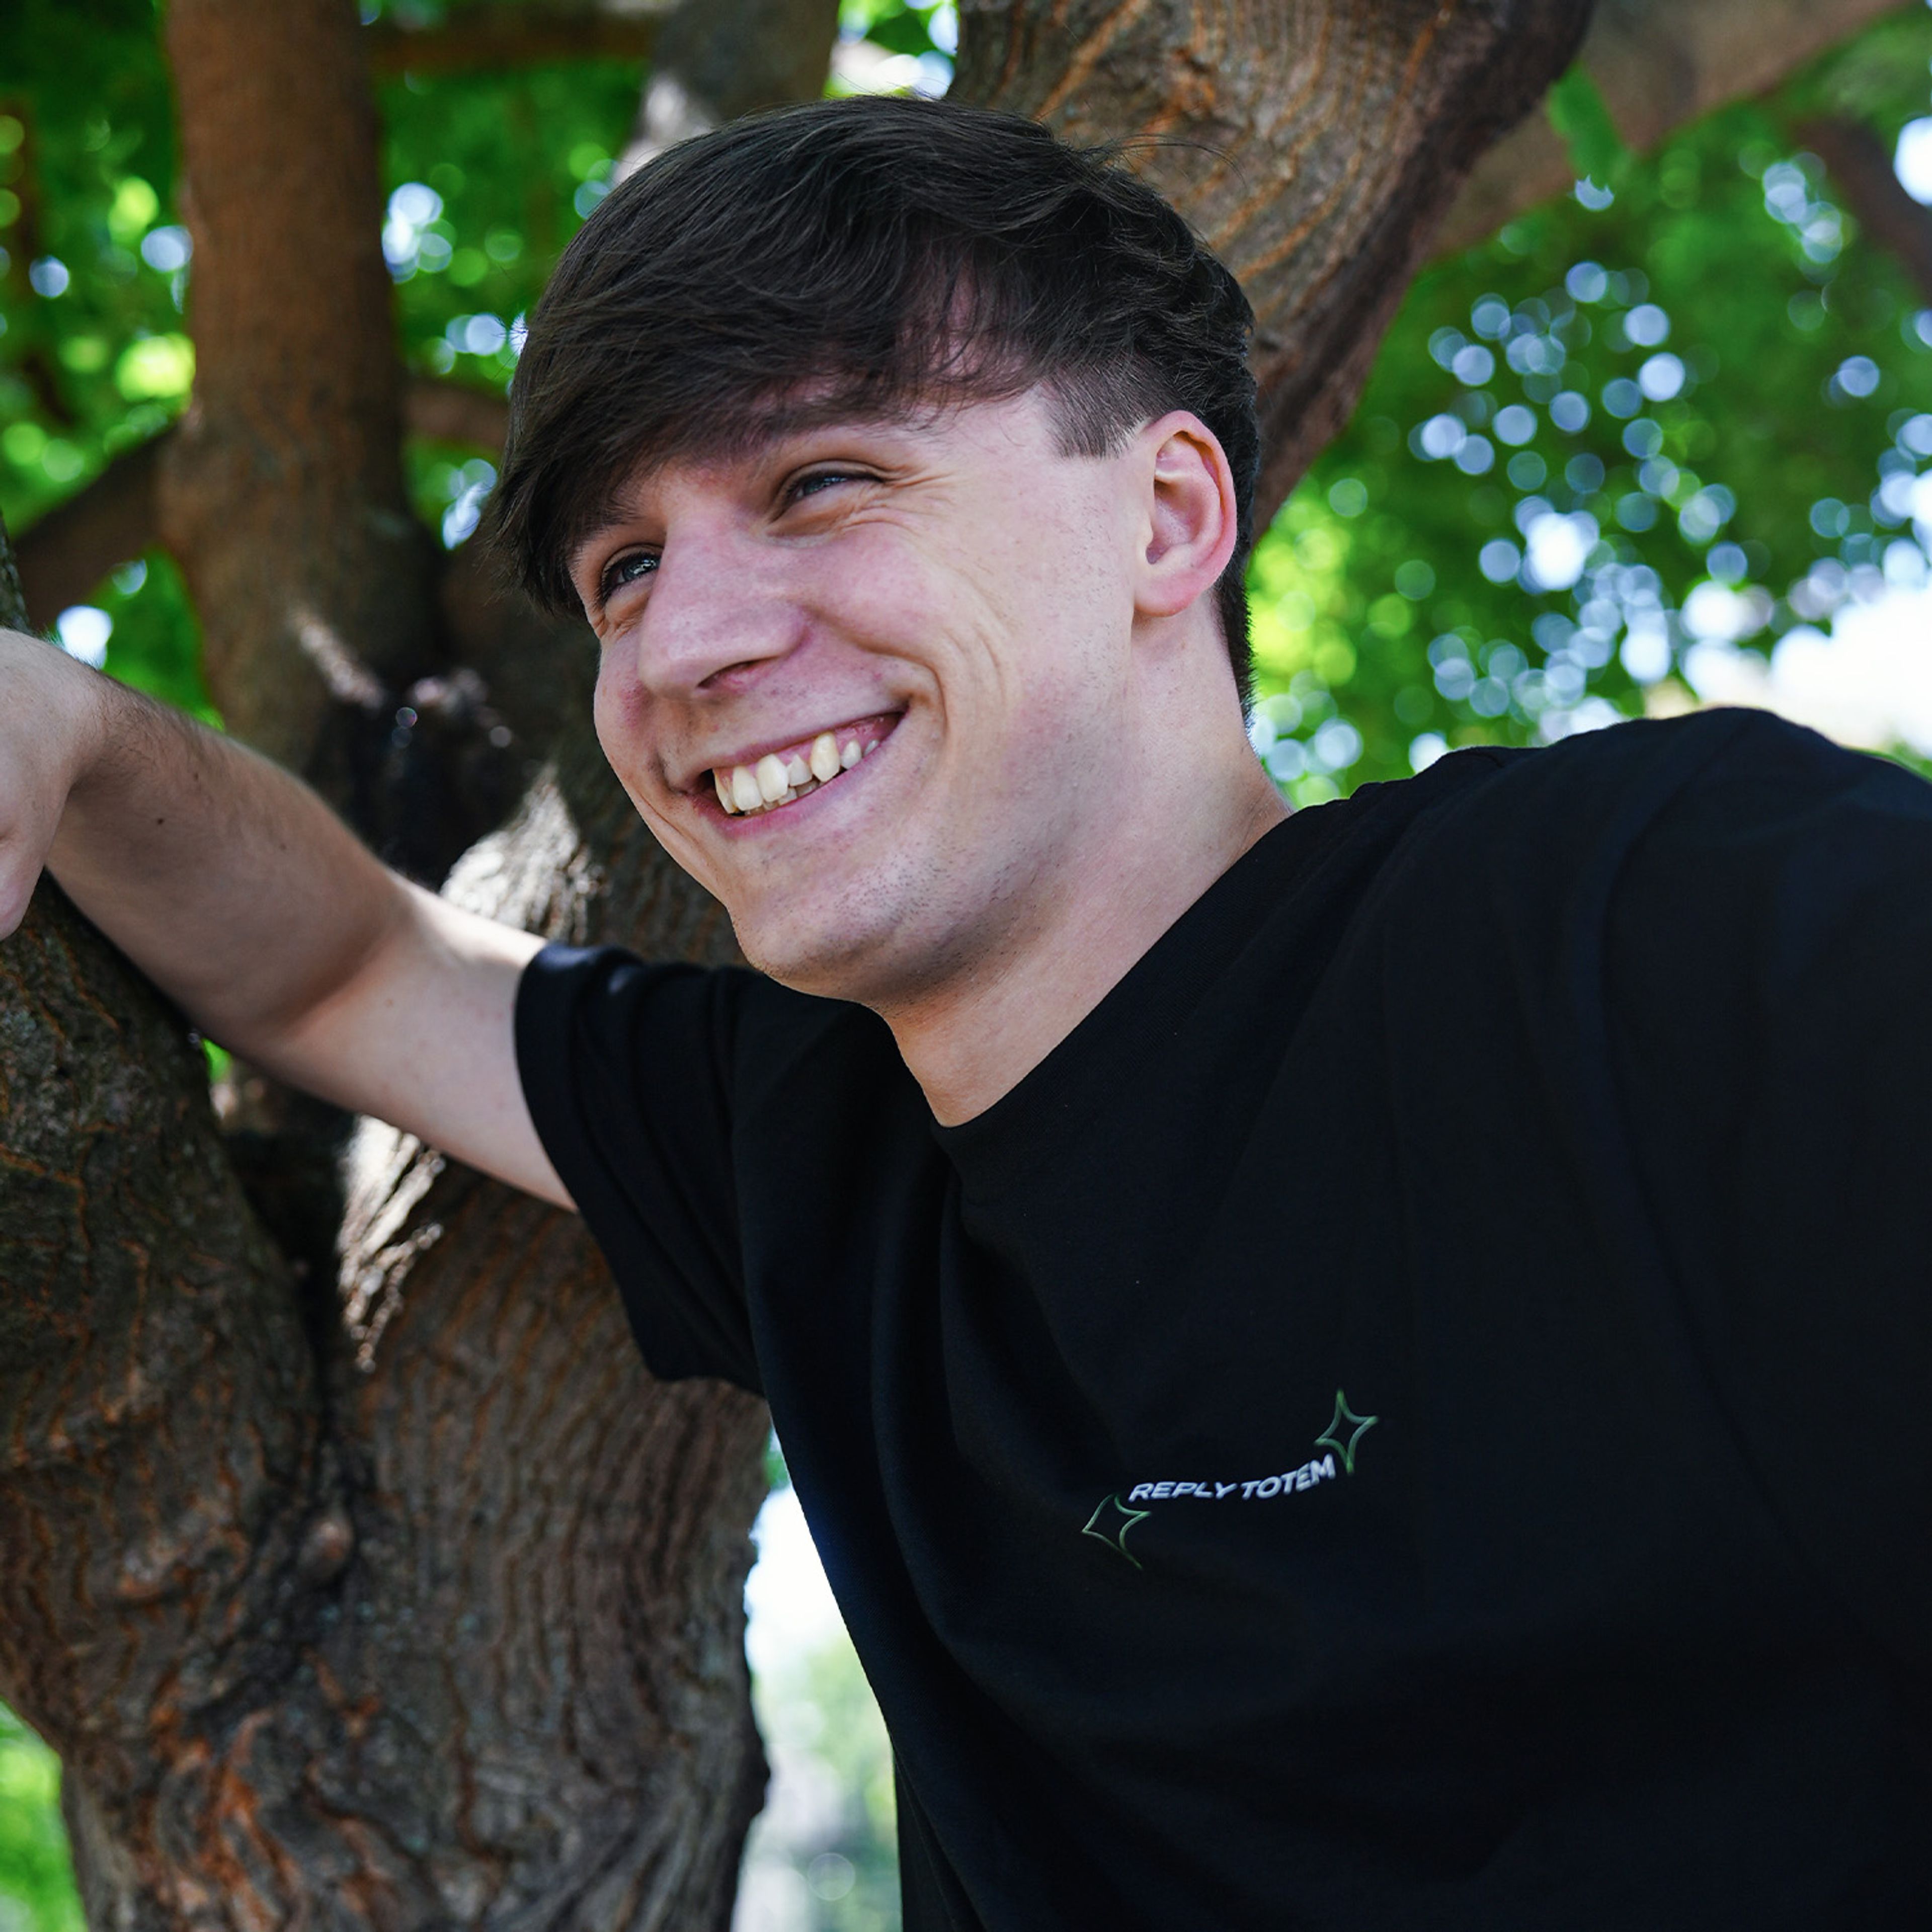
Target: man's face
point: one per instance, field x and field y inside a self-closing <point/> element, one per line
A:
<point x="870" y="684"/>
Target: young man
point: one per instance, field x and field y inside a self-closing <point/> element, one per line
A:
<point x="1365" y="1369"/>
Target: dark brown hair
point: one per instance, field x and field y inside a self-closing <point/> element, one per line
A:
<point x="862" y="257"/>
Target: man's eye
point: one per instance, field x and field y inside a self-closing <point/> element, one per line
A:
<point x="625" y="570"/>
<point x="819" y="481"/>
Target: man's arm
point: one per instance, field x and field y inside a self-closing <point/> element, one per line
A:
<point x="244" y="897"/>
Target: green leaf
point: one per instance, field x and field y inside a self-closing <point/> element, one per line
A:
<point x="1578" y="112"/>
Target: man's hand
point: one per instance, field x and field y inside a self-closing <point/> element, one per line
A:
<point x="241" y="896"/>
<point x="50" y="723"/>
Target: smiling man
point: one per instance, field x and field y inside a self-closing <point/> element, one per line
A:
<point x="1365" y="1369"/>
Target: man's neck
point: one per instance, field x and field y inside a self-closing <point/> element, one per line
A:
<point x="976" y="1037"/>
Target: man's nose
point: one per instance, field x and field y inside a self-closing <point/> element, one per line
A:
<point x="718" y="605"/>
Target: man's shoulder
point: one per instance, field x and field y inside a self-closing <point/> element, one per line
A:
<point x="1702" y="830"/>
<point x="1744" y="773"/>
<point x="607" y="1006"/>
<point x="1657" y="756"/>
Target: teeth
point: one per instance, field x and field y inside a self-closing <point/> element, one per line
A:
<point x="774" y="781"/>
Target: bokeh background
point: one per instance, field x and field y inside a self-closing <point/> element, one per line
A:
<point x="1661" y="442"/>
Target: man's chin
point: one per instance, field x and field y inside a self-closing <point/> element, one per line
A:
<point x="823" y="957"/>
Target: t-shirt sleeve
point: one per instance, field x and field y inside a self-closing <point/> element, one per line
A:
<point x="1770" y="965"/>
<point x="626" y="1069"/>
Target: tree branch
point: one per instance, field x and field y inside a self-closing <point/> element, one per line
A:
<point x="282" y="492"/>
<point x="65" y="554"/>
<point x="447" y="412"/>
<point x="482" y="39"/>
<point x="173" y="1520"/>
<point x="1862" y="171"/>
<point x="1316" y="145"/>
<point x="1658" y="64"/>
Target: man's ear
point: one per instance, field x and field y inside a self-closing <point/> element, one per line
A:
<point x="1189" y="516"/>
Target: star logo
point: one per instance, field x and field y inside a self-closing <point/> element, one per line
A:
<point x="1109" y="1524"/>
<point x="1334" y="1434"/>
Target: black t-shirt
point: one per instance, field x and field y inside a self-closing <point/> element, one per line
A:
<point x="1418" y="1413"/>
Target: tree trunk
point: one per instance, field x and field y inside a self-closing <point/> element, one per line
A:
<point x="430" y="1615"/>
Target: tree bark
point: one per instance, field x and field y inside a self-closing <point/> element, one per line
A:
<point x="282" y="492"/>
<point x="1316" y="144"/>
<point x="65" y="554"/>
<point x="498" y="35"/>
<point x="1860" y="168"/>
<point x="1658" y="64"/>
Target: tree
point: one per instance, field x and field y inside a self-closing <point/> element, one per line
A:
<point x="364" y="1574"/>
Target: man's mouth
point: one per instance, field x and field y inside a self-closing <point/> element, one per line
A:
<point x="789" y="772"/>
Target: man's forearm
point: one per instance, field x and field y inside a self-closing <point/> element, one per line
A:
<point x="225" y="879"/>
<point x="242" y="896"/>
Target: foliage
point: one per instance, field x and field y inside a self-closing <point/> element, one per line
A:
<point x="1690" y="413"/>
<point x="37" y="1892"/>
<point x="824" y="1857"/>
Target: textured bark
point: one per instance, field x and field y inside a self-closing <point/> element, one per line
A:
<point x="499" y="35"/>
<point x="422" y="1609"/>
<point x="283" y="493"/>
<point x="1658" y="64"/>
<point x="163" y="1495"/>
<point x="1315" y="143"/>
<point x="71" y="548"/>
<point x="1862" y="173"/>
<point x="64" y="554"/>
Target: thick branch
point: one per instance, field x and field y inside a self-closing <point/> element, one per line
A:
<point x="282" y="489"/>
<point x="1325" y="140"/>
<point x="1862" y="173"/>
<point x="1658" y="63"/>
<point x="481" y="39"/>
<point x="117" y="516"/>
<point x="596" y="1752"/>
<point x="71" y="548"/>
<point x="448" y="411"/>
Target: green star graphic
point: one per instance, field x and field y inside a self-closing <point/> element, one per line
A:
<point x="1332" y="1435"/>
<point x="1109" y="1524"/>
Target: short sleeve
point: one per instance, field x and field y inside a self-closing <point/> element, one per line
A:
<point x="1770" y="971"/>
<point x="626" y="1069"/>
